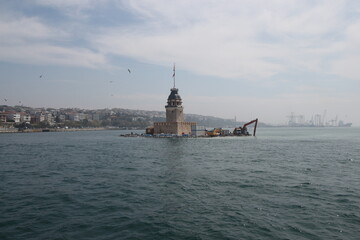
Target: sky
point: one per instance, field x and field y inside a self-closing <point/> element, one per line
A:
<point x="246" y="59"/>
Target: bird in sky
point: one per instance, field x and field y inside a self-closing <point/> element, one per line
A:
<point x="129" y="71"/>
<point x="40" y="76"/>
<point x="5" y="99"/>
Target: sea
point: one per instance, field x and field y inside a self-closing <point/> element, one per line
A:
<point x="285" y="183"/>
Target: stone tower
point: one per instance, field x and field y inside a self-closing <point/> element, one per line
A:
<point x="174" y="109"/>
<point x="174" y="124"/>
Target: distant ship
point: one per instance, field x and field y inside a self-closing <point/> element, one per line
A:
<point x="342" y="124"/>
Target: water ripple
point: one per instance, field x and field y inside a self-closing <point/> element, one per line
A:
<point x="95" y="185"/>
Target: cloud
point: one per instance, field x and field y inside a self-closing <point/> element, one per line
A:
<point x="347" y="58"/>
<point x="25" y="29"/>
<point x="51" y="55"/>
<point x="248" y="40"/>
<point x="66" y="3"/>
<point x="38" y="43"/>
<point x="73" y="9"/>
<point x="216" y="57"/>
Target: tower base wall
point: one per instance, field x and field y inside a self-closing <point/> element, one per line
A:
<point x="177" y="128"/>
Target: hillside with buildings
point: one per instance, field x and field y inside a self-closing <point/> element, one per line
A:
<point x="23" y="117"/>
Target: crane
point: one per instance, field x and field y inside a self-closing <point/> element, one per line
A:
<point x="242" y="131"/>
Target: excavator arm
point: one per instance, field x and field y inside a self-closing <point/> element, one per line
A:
<point x="251" y="122"/>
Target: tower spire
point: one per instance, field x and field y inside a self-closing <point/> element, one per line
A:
<point x="174" y="74"/>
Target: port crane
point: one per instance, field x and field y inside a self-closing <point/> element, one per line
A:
<point x="242" y="131"/>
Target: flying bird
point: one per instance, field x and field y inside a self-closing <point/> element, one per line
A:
<point x="5" y="99"/>
<point x="129" y="71"/>
<point x="40" y="76"/>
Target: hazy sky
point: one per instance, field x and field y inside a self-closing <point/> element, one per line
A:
<point x="245" y="58"/>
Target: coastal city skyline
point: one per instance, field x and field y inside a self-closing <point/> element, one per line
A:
<point x="249" y="59"/>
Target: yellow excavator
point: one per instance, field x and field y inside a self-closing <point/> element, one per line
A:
<point x="215" y="132"/>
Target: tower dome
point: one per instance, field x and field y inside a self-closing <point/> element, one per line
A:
<point x="174" y="98"/>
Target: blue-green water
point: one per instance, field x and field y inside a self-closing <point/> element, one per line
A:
<point x="300" y="183"/>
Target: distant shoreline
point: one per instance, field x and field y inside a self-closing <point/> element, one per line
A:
<point x="14" y="130"/>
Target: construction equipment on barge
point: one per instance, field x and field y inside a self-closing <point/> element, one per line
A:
<point x="242" y="131"/>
